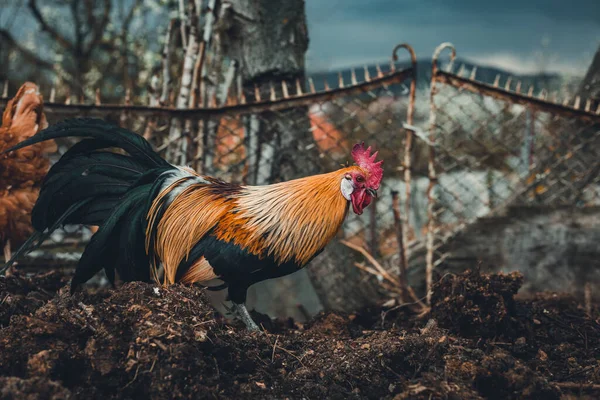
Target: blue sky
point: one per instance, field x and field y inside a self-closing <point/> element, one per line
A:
<point x="521" y="36"/>
<point x="524" y="36"/>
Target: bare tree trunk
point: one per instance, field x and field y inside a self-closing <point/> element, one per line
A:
<point x="269" y="41"/>
<point x="177" y="150"/>
<point x="166" y="66"/>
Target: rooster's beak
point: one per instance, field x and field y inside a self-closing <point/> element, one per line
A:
<point x="372" y="192"/>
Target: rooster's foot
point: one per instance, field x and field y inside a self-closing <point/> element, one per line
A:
<point x="242" y="312"/>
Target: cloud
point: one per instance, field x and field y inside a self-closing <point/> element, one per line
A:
<point x="523" y="65"/>
<point x="347" y="33"/>
<point x="434" y="11"/>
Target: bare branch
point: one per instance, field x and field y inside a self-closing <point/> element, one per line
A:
<point x="205" y="45"/>
<point x="386" y="275"/>
<point x="89" y="11"/>
<point x="124" y="41"/>
<point x="99" y="29"/>
<point x="226" y="87"/>
<point x="191" y="52"/>
<point x="166" y="65"/>
<point x="183" y="100"/>
<point x="184" y="20"/>
<point x="578" y="386"/>
<point x="400" y="239"/>
<point x="77" y="27"/>
<point x="130" y="15"/>
<point x="47" y="28"/>
<point x="25" y="53"/>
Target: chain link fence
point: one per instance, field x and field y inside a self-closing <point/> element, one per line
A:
<point x="498" y="145"/>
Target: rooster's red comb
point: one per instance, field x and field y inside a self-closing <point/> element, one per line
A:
<point x="363" y="158"/>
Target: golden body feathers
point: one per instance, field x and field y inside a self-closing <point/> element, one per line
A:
<point x="285" y="222"/>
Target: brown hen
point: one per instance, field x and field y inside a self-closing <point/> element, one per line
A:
<point x="21" y="171"/>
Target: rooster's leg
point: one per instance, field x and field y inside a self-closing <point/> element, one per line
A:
<point x="244" y="315"/>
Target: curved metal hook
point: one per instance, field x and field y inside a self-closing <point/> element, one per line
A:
<point x="413" y="56"/>
<point x="438" y="51"/>
<point x="413" y="83"/>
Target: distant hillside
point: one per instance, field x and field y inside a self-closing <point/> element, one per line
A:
<point x="550" y="82"/>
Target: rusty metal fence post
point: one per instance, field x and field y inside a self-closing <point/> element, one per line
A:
<point x="407" y="165"/>
<point x="431" y="167"/>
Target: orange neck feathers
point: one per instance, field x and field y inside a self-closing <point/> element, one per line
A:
<point x="290" y="221"/>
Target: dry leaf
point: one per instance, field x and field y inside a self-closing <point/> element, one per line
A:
<point x="542" y="355"/>
<point x="200" y="335"/>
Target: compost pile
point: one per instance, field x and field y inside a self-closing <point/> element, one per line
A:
<point x="144" y="341"/>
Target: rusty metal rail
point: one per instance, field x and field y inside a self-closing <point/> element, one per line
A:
<point x="517" y="98"/>
<point x="580" y="108"/>
<point x="271" y="104"/>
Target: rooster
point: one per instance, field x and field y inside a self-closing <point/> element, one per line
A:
<point x="21" y="172"/>
<point x="169" y="224"/>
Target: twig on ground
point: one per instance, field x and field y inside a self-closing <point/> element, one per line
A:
<point x="134" y="377"/>
<point x="292" y="354"/>
<point x="578" y="386"/>
<point x="379" y="271"/>
<point x="386" y="275"/>
<point x="274" y="347"/>
<point x="433" y="349"/>
<point x="581" y="371"/>
<point x="588" y="298"/>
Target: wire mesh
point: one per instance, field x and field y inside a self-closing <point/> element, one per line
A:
<point x="492" y="153"/>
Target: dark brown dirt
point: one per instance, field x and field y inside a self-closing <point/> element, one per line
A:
<point x="477" y="306"/>
<point x="141" y="341"/>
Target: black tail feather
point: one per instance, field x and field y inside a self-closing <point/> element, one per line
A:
<point x="40" y="236"/>
<point x="103" y="176"/>
<point x="104" y="248"/>
<point x="91" y="185"/>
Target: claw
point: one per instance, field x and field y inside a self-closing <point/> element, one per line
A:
<point x="244" y="315"/>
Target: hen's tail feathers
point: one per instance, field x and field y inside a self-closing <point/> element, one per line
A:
<point x="92" y="186"/>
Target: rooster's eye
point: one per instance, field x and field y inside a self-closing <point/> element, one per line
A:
<point x="359" y="178"/>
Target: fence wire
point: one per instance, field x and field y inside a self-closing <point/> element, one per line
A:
<point x="495" y="148"/>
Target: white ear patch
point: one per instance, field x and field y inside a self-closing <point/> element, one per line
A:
<point x="347" y="188"/>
